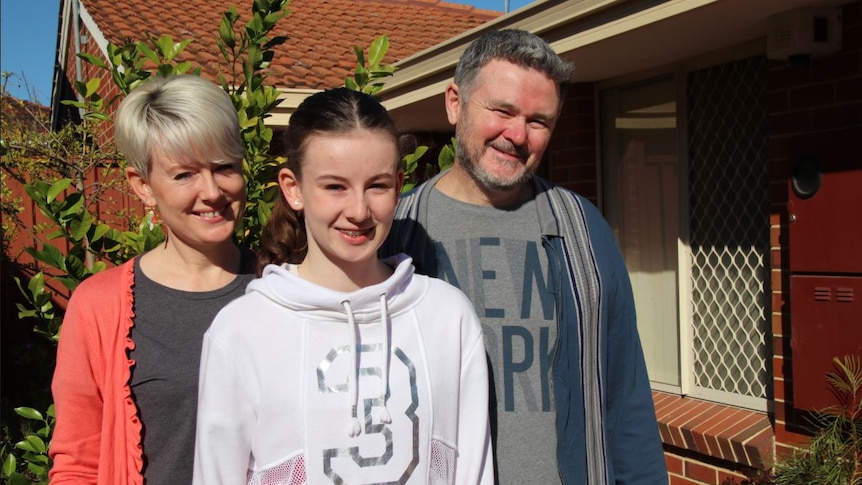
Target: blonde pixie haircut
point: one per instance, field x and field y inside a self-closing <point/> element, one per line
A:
<point x="177" y="116"/>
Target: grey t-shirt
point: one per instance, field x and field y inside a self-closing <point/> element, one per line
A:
<point x="496" y="257"/>
<point x="168" y="335"/>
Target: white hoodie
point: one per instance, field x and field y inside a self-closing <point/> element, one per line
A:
<point x="278" y="385"/>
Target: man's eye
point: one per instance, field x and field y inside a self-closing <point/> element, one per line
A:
<point x="539" y="124"/>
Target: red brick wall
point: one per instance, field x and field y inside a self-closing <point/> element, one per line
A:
<point x="571" y="157"/>
<point x="691" y="470"/>
<point x="820" y="99"/>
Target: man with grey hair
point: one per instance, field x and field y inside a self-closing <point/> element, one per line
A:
<point x="544" y="272"/>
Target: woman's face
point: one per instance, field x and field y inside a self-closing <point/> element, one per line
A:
<point x="200" y="202"/>
<point x="348" y="192"/>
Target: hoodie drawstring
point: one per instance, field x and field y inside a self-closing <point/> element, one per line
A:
<point x="353" y="378"/>
<point x="352" y="383"/>
<point x="384" y="379"/>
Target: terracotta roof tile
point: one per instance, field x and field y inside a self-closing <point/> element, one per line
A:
<point x="321" y="33"/>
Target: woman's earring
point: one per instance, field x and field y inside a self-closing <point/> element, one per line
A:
<point x="295" y="202"/>
<point x="150" y="218"/>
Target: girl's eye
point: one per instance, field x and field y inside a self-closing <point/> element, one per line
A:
<point x="334" y="187"/>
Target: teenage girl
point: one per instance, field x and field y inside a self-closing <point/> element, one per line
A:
<point x="336" y="366"/>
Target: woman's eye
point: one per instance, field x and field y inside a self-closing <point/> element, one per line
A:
<point x="182" y="176"/>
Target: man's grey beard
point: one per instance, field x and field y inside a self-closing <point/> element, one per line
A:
<point x="483" y="178"/>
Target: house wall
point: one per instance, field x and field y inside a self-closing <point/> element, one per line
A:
<point x="571" y="157"/>
<point x="820" y="101"/>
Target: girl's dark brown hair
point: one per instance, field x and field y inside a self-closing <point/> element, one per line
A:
<point x="335" y="111"/>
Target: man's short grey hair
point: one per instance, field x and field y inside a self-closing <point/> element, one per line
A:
<point x="177" y="116"/>
<point x="516" y="46"/>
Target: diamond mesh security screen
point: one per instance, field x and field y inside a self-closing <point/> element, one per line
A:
<point x="729" y="226"/>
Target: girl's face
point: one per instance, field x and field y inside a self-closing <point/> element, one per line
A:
<point x="200" y="202"/>
<point x="348" y="192"/>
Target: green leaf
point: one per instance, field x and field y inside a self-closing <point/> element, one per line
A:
<point x="36" y="285"/>
<point x="38" y="459"/>
<point x="275" y="41"/>
<point x="75" y="267"/>
<point x="78" y="229"/>
<point x="57" y="188"/>
<point x="98" y="117"/>
<point x="232" y="14"/>
<point x="96" y="61"/>
<point x="49" y="255"/>
<point x="378" y="50"/>
<point x="260" y="6"/>
<point x="74" y="104"/>
<point x="179" y="47"/>
<point x="382" y="71"/>
<point x="360" y="55"/>
<point x="9" y="465"/>
<point x="31" y="443"/>
<point x="69" y="283"/>
<point x="165" y="45"/>
<point x="147" y="52"/>
<point x="99" y="232"/>
<point x="92" y="87"/>
<point x="35" y="469"/>
<point x="225" y="32"/>
<point x="29" y="413"/>
<point x="71" y="207"/>
<point x="416" y="155"/>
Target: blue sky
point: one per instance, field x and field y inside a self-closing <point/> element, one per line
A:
<point x="28" y="40"/>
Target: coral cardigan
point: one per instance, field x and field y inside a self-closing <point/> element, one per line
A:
<point x="97" y="439"/>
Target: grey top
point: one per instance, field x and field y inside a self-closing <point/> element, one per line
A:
<point x="496" y="257"/>
<point x="168" y="333"/>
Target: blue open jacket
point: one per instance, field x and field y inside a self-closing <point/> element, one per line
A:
<point x="606" y="426"/>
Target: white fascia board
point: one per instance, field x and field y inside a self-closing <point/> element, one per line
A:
<point x="406" y="85"/>
<point x="445" y="55"/>
<point x="289" y="100"/>
<point x="93" y="29"/>
<point x="629" y="23"/>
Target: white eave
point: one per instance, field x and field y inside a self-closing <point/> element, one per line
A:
<point x="604" y="38"/>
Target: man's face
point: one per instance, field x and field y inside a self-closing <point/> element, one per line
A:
<point x="504" y="124"/>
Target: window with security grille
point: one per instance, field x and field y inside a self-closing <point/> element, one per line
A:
<point x="685" y="187"/>
<point x="729" y="227"/>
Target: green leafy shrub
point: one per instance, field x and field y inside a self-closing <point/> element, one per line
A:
<point x="834" y="456"/>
